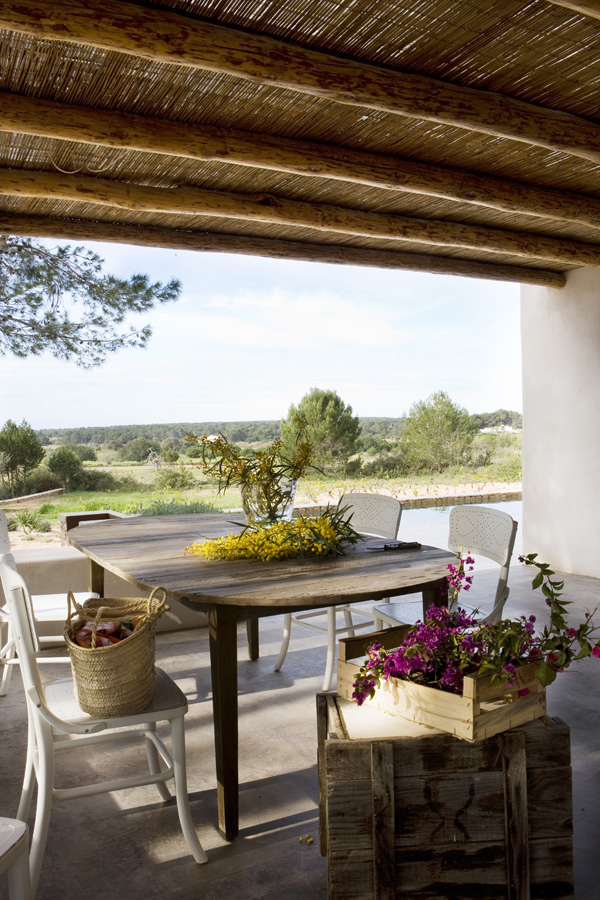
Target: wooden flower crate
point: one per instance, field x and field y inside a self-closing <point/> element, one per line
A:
<point x="480" y="712"/>
<point x="420" y="815"/>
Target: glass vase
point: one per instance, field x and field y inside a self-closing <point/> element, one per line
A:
<point x="269" y="502"/>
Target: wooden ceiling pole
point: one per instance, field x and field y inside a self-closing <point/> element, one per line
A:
<point x="71" y="229"/>
<point x="111" y="128"/>
<point x="169" y="37"/>
<point x="270" y="209"/>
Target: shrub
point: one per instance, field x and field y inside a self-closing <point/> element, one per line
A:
<point x="95" y="480"/>
<point x="137" y="450"/>
<point x="174" y="480"/>
<point x="385" y="467"/>
<point x="42" y="479"/>
<point x="353" y="467"/>
<point x="509" y="469"/>
<point x="100" y="480"/>
<point x="27" y="519"/>
<point x="169" y="454"/>
<point x="160" y="507"/>
<point x="44" y="526"/>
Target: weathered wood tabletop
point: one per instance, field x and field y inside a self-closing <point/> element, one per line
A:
<point x="150" y="551"/>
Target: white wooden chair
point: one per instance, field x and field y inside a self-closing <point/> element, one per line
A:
<point x="46" y="608"/>
<point x="372" y="515"/>
<point x="473" y="529"/>
<point x="53" y="713"/>
<point x="14" y="858"/>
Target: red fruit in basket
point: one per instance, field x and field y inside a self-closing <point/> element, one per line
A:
<point x="84" y="638"/>
<point x="108" y="628"/>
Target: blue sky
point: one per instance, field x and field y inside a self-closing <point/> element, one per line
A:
<point x="250" y="336"/>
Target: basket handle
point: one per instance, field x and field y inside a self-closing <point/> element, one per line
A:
<point x="160" y="607"/>
<point x="77" y="610"/>
<point x="74" y="607"/>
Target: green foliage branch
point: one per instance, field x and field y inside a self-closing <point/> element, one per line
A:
<point x="58" y="299"/>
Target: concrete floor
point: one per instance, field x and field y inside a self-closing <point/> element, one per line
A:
<point x="129" y="844"/>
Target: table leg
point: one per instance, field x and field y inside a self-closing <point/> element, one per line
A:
<point x="222" y="626"/>
<point x="436" y="593"/>
<point x="252" y="638"/>
<point x="96" y="578"/>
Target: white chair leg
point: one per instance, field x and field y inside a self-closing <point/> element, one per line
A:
<point x="19" y="880"/>
<point x="154" y="764"/>
<point x="348" y="622"/>
<point x="7" y="669"/>
<point x="379" y="624"/>
<point x="285" y="642"/>
<point x="331" y="646"/>
<point x="29" y="775"/>
<point x="181" y="791"/>
<point x="45" y="779"/>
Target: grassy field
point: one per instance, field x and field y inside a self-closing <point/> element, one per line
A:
<point x="310" y="491"/>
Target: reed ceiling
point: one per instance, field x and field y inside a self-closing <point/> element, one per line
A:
<point x="460" y="136"/>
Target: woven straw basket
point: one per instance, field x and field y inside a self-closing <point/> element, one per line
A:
<point x="117" y="680"/>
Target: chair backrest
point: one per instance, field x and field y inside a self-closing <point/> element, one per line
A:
<point x="375" y="514"/>
<point x="490" y="533"/>
<point x="20" y="610"/>
<point x="4" y="538"/>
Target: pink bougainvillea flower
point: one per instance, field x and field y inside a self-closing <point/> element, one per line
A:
<point x="596" y="652"/>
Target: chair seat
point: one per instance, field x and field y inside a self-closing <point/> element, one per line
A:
<point x="401" y="613"/>
<point x="61" y="700"/>
<point x="11" y="832"/>
<point x="406" y="613"/>
<point x="50" y="607"/>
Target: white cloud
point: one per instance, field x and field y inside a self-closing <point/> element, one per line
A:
<point x="279" y="318"/>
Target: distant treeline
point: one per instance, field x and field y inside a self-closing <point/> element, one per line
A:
<point x="115" y="436"/>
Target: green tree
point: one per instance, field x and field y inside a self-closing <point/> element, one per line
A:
<point x="58" y="299"/>
<point x="66" y="464"/>
<point x="169" y="454"/>
<point x="329" y="426"/>
<point x="138" y="449"/>
<point x="438" y="433"/>
<point x="20" y="451"/>
<point x="85" y="452"/>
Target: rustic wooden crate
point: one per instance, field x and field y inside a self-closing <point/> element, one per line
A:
<point x="423" y="816"/>
<point x="481" y="711"/>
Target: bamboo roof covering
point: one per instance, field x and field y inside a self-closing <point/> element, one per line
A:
<point x="448" y="136"/>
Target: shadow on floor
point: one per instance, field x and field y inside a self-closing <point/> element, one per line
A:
<point x="130" y="844"/>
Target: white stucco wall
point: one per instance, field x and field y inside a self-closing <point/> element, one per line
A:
<point x="561" y="416"/>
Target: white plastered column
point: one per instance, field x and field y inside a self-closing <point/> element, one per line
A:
<point x="560" y="333"/>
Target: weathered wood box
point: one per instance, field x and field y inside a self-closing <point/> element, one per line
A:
<point x="480" y="712"/>
<point x="421" y="815"/>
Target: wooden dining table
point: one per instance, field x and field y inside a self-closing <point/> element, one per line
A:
<point x="150" y="551"/>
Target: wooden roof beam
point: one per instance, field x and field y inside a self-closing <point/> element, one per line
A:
<point x="270" y="209"/>
<point x="589" y="8"/>
<point x="170" y="37"/>
<point x="123" y="131"/>
<point x="179" y="239"/>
